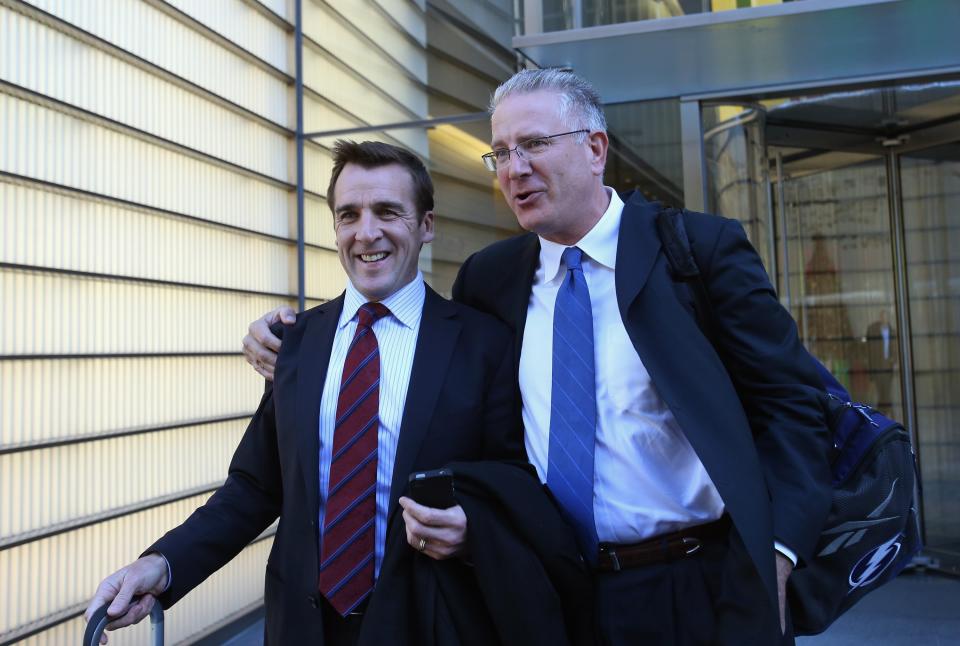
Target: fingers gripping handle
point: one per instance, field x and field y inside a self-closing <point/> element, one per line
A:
<point x="98" y="622"/>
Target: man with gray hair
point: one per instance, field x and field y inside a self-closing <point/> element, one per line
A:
<point x="694" y="472"/>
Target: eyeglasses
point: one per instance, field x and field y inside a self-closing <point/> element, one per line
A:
<point x="529" y="149"/>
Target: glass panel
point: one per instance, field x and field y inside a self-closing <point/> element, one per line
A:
<point x="930" y="181"/>
<point x="645" y="152"/>
<point x="559" y="15"/>
<point x="826" y="157"/>
<point x="738" y="181"/>
<point x="841" y="276"/>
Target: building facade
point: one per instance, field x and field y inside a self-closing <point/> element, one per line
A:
<point x="149" y="211"/>
<point x="163" y="165"/>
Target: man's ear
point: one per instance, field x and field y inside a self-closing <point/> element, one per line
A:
<point x="426" y="227"/>
<point x="599" y="143"/>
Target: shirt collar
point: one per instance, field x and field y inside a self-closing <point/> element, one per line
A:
<point x="405" y="304"/>
<point x="599" y="244"/>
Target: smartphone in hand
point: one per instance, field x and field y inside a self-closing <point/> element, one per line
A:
<point x="432" y="488"/>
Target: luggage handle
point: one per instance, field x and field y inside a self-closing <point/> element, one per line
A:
<point x="98" y="623"/>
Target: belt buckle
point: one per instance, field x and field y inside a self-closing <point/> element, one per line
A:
<point x="612" y="553"/>
<point x="691" y="545"/>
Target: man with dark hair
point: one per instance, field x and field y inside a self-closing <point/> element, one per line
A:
<point x="694" y="473"/>
<point x="386" y="379"/>
<point x="371" y="154"/>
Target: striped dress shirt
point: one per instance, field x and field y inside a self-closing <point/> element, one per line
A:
<point x="397" y="339"/>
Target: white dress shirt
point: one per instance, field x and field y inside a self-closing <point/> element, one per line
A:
<point x="397" y="340"/>
<point x="647" y="478"/>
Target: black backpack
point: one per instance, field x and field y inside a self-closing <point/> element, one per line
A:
<point x="872" y="531"/>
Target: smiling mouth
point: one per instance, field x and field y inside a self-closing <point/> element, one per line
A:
<point x="373" y="257"/>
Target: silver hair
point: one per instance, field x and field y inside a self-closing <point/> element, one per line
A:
<point x="580" y="105"/>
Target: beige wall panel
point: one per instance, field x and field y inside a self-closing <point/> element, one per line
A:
<point x="469" y="202"/>
<point x="51" y="63"/>
<point x="61" y="399"/>
<point x="409" y="14"/>
<point x="324" y="276"/>
<point x="48" y="145"/>
<point x="67" y="231"/>
<point x="318" y="116"/>
<point x="317" y="165"/>
<point x="283" y="8"/>
<point x="387" y="63"/>
<point x="458" y="154"/>
<point x="477" y="58"/>
<point x="70" y="482"/>
<point x="56" y="314"/>
<point x="61" y="571"/>
<point x="459" y="81"/>
<point x="456" y="240"/>
<point x="441" y="277"/>
<point x="318" y="222"/>
<point x="321" y="117"/>
<point x="356" y="96"/>
<point x="237" y="584"/>
<point x="492" y="17"/>
<point x="168" y="43"/>
<point x="242" y="24"/>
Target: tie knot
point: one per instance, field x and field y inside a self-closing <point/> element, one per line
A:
<point x="571" y="257"/>
<point x="370" y="313"/>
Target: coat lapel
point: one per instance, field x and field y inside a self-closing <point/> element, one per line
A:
<point x="312" y="361"/>
<point x="638" y="245"/>
<point x="439" y="330"/>
<point x="517" y="289"/>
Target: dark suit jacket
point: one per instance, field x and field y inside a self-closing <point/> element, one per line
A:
<point x="461" y="405"/>
<point x="754" y="416"/>
<point x="525" y="585"/>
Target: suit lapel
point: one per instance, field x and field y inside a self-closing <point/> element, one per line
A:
<point x="517" y="289"/>
<point x="638" y="245"/>
<point x="439" y="330"/>
<point x="312" y="361"/>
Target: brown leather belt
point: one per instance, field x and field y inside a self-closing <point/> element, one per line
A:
<point x="661" y="549"/>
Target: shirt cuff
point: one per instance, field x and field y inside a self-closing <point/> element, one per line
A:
<point x="786" y="551"/>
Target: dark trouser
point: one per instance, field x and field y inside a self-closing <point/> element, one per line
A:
<point x="711" y="597"/>
<point x="337" y="630"/>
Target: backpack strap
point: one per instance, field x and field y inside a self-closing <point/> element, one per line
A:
<point x="683" y="266"/>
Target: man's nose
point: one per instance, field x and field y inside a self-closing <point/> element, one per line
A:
<point x="519" y="165"/>
<point x="368" y="228"/>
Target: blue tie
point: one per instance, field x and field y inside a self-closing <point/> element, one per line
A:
<point x="573" y="404"/>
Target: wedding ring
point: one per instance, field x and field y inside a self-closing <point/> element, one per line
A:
<point x="422" y="545"/>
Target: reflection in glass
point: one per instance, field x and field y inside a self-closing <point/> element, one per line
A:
<point x="836" y="163"/>
<point x="931" y="211"/>
<point x="645" y="152"/>
<point x="737" y="170"/>
<point x="573" y="14"/>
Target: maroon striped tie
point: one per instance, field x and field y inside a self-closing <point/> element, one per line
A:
<point x="347" y="552"/>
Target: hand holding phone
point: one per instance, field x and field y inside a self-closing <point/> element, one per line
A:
<point x="433" y="488"/>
